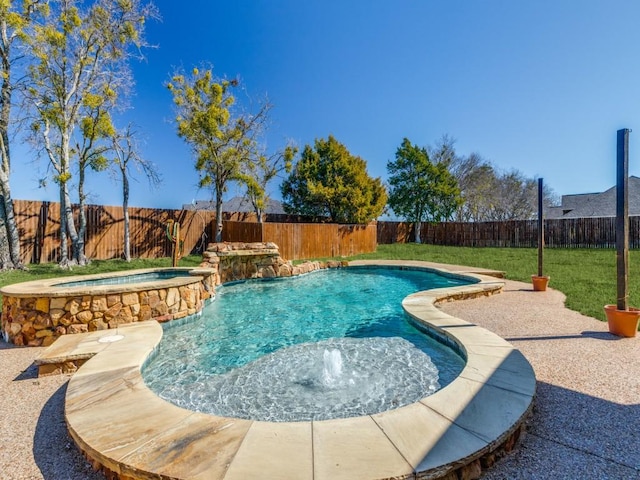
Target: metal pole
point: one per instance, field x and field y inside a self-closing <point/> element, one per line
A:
<point x="622" y="218"/>
<point x="540" y="229"/>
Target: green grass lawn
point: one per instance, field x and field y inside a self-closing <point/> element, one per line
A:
<point x="586" y="276"/>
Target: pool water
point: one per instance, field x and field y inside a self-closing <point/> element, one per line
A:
<point x="127" y="279"/>
<point x="331" y="344"/>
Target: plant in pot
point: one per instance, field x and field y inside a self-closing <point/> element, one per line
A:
<point x="622" y="319"/>
<point x="540" y="281"/>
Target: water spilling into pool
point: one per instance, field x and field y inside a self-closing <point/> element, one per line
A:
<point x="332" y="344"/>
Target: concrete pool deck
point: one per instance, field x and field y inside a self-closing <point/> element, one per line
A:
<point x="450" y="431"/>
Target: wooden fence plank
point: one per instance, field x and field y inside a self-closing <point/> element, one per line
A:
<point x="298" y="241"/>
<point x="559" y="233"/>
<point x="39" y="223"/>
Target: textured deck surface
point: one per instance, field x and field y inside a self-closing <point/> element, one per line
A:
<point x="120" y="424"/>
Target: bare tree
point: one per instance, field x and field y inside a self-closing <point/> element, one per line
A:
<point x="126" y="156"/>
<point x="258" y="173"/>
<point x="487" y="193"/>
<point x="476" y="179"/>
<point x="491" y="195"/>
<point x="444" y="151"/>
<point x="261" y="168"/>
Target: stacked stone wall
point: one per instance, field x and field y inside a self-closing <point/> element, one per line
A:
<point x="232" y="261"/>
<point x="38" y="321"/>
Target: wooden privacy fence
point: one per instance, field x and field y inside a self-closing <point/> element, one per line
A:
<point x="39" y="229"/>
<point x="306" y="240"/>
<point x="561" y="233"/>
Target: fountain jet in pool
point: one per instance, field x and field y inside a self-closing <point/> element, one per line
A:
<point x="332" y="367"/>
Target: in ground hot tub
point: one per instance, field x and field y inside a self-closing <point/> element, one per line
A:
<point x="36" y="313"/>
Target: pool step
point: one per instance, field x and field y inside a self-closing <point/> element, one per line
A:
<point x="69" y="352"/>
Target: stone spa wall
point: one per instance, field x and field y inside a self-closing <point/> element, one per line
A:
<point x="36" y="313"/>
<point x="232" y="261"/>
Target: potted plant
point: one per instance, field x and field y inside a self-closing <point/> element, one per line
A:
<point x="540" y="281"/>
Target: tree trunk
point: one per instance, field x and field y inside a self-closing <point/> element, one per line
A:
<point x="13" y="235"/>
<point x="218" y="237"/>
<point x="63" y="261"/>
<point x="67" y="213"/>
<point x="78" y="246"/>
<point x="79" y="256"/>
<point x="418" y="227"/>
<point x="259" y="211"/>
<point x="125" y="210"/>
<point x="9" y="239"/>
<point x="10" y="233"/>
<point x="5" y="258"/>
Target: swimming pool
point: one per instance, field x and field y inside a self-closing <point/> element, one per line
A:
<point x="332" y="344"/>
<point x="452" y="433"/>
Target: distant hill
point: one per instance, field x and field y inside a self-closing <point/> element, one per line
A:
<point x="236" y="204"/>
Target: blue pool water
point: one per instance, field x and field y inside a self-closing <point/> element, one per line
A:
<point x="127" y="279"/>
<point x="331" y="344"/>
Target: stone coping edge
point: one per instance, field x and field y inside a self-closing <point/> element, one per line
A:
<point x="48" y="287"/>
<point x="124" y="429"/>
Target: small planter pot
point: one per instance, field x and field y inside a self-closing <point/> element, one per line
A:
<point x="539" y="283"/>
<point x="623" y="323"/>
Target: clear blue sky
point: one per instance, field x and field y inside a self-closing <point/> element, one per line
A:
<point x="538" y="86"/>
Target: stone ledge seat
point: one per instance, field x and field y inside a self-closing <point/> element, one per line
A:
<point x="125" y="429"/>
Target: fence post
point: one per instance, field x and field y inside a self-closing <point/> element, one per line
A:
<point x="622" y="218"/>
<point x="540" y="229"/>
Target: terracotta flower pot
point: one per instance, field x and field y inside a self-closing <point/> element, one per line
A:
<point x="623" y="323"/>
<point x="539" y="283"/>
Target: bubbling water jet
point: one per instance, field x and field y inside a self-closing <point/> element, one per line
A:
<point x="335" y="378"/>
<point x="332" y="371"/>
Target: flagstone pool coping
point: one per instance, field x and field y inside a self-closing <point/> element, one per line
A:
<point x="123" y="428"/>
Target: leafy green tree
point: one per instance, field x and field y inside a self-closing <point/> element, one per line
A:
<point x="222" y="140"/>
<point x="15" y="21"/>
<point x="421" y="191"/>
<point x="328" y="181"/>
<point x="79" y="75"/>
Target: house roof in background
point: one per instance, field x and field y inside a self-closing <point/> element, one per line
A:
<point x="601" y="204"/>
<point x="236" y="204"/>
